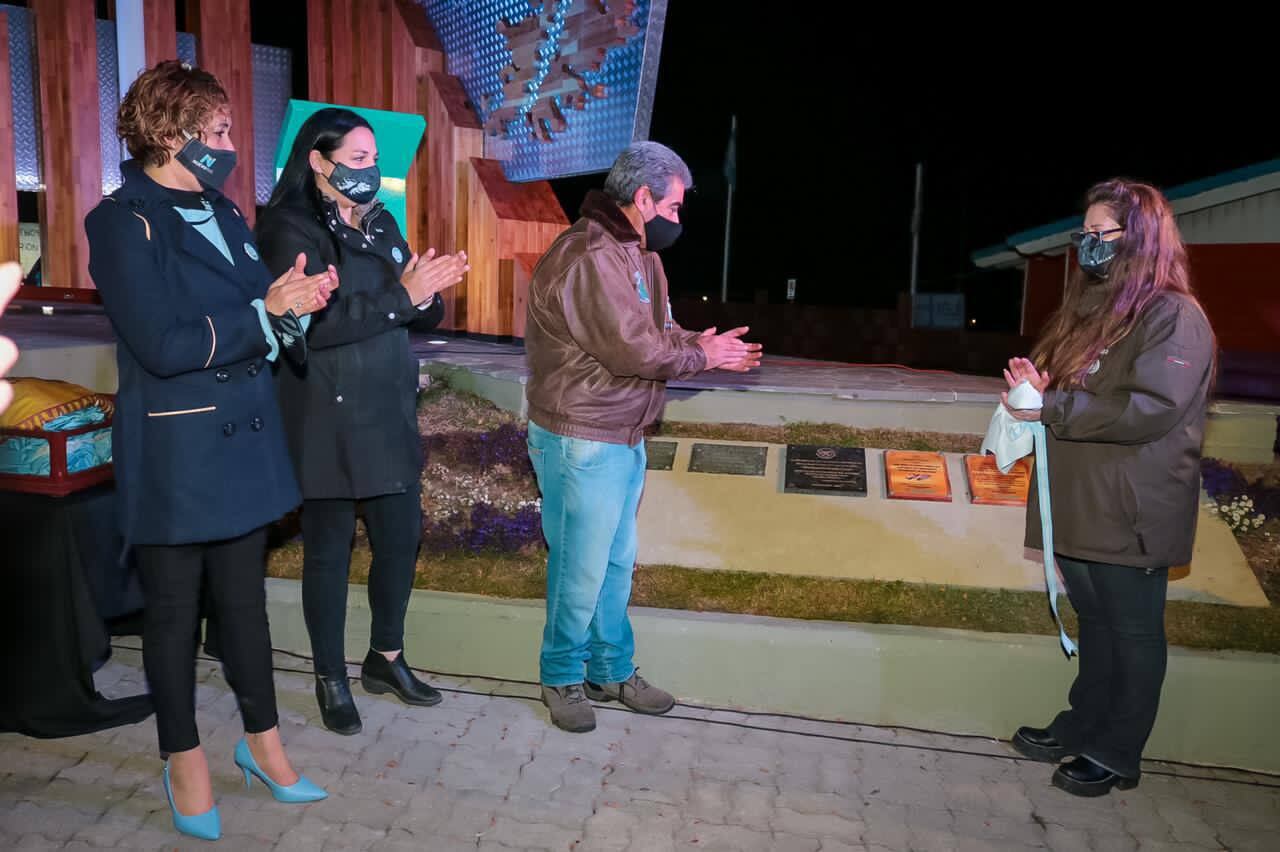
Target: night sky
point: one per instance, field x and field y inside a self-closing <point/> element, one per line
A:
<point x="835" y="109"/>
<point x="1011" y="138"/>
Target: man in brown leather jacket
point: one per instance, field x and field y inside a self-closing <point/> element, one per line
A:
<point x="602" y="343"/>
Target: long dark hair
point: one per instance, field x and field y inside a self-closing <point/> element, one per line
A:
<point x="1150" y="261"/>
<point x="323" y="132"/>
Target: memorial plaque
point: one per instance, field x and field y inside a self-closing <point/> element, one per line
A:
<point x="989" y="487"/>
<point x="728" y="458"/>
<point x="660" y="455"/>
<point x="826" y="470"/>
<point x="916" y="476"/>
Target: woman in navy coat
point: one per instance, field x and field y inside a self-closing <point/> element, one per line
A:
<point x="200" y="457"/>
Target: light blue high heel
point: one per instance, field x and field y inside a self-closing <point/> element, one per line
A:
<point x="300" y="791"/>
<point x="205" y="826"/>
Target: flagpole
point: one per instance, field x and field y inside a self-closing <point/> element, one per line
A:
<point x="916" y="212"/>
<point x="731" y="175"/>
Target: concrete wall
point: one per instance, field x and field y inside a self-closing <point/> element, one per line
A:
<point x="1217" y="708"/>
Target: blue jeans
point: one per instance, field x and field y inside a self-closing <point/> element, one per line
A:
<point x="590" y="495"/>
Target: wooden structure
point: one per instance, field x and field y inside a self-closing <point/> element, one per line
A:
<point x="380" y="54"/>
<point x="388" y="57"/>
<point x="503" y="220"/>
<point x="514" y="275"/>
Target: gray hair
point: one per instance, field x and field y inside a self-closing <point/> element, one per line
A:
<point x="650" y="164"/>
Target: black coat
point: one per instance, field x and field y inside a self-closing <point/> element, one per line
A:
<point x="198" y="442"/>
<point x="350" y="412"/>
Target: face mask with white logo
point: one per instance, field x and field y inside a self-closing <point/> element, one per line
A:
<point x="359" y="185"/>
<point x="211" y="166"/>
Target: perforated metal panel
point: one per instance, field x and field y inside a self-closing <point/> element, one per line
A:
<point x="478" y="54"/>
<point x="108" y="105"/>
<point x="26" y="127"/>
<point x="272" y="87"/>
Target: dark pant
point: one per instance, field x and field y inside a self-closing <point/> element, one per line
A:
<point x="394" y="522"/>
<point x="232" y="573"/>
<point x="1123" y="654"/>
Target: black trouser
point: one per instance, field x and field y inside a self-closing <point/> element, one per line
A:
<point x="394" y="522"/>
<point x="1123" y="654"/>
<point x="232" y="573"/>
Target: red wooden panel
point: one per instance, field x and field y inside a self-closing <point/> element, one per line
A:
<point x="224" y="49"/>
<point x="65" y="34"/>
<point x="159" y="30"/>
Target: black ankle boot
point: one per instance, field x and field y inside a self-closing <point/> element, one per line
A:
<point x="1083" y="777"/>
<point x="1038" y="744"/>
<point x="378" y="676"/>
<point x="337" y="707"/>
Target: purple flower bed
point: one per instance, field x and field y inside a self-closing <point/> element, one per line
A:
<point x="505" y="445"/>
<point x="484" y="529"/>
<point x="1224" y="481"/>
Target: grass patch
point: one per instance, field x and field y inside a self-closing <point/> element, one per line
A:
<point x="825" y="434"/>
<point x="523" y="576"/>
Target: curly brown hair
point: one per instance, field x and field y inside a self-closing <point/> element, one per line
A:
<point x="163" y="104"/>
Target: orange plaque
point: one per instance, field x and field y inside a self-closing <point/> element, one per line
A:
<point x="989" y="487"/>
<point x="917" y="476"/>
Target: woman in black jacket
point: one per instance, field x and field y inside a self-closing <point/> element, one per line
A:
<point x="350" y="413"/>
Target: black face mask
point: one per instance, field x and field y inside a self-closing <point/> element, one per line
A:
<point x="1095" y="254"/>
<point x="359" y="185"/>
<point x="660" y="233"/>
<point x="210" y="165"/>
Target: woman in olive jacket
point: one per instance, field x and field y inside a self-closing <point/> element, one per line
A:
<point x="1126" y="368"/>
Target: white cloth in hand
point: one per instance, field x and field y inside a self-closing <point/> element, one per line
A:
<point x="1009" y="438"/>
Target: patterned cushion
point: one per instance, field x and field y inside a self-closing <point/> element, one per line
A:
<point x="37" y="401"/>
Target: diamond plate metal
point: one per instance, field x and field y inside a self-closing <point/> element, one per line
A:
<point x="108" y="105"/>
<point x="187" y="48"/>
<point x="477" y="54"/>
<point x="272" y="82"/>
<point x="26" y="127"/>
<point x="23" y="81"/>
<point x="272" y="88"/>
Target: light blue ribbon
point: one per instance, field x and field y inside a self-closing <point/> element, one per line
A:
<point x="1046" y="532"/>
<point x="1007" y="438"/>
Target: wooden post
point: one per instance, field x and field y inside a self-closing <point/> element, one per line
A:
<point x="66" y="47"/>
<point x="160" y="30"/>
<point x="223" y="47"/>
<point x="318" y="51"/>
<point x="454" y="138"/>
<point x="341" y="62"/>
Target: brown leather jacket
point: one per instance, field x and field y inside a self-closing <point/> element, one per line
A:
<point x="1124" y="451"/>
<point x="600" y="339"/>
